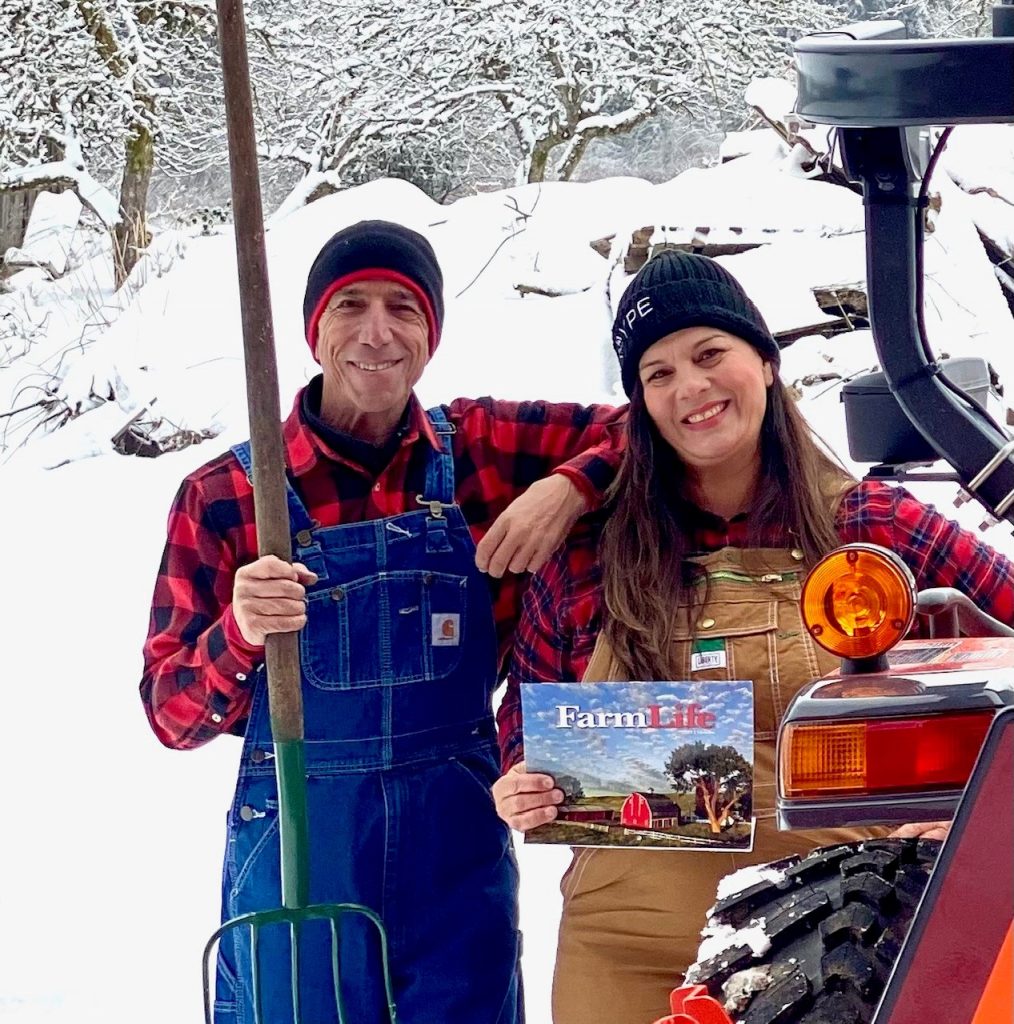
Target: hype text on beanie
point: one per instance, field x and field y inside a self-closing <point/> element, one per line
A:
<point x="674" y="290"/>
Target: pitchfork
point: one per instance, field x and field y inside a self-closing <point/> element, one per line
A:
<point x="281" y="649"/>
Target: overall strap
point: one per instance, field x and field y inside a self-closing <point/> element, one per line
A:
<point x="299" y="518"/>
<point x="438" y="493"/>
<point x="440" y="465"/>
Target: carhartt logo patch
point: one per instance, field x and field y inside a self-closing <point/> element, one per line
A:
<point x="445" y="629"/>
<point x="707" y="654"/>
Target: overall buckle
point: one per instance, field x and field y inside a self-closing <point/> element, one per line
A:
<point x="436" y="507"/>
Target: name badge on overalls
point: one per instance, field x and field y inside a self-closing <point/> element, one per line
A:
<point x="707" y="654"/>
<point x="665" y="765"/>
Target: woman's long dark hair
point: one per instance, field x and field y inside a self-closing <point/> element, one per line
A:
<point x="647" y="536"/>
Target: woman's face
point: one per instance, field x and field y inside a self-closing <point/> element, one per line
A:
<point x="706" y="391"/>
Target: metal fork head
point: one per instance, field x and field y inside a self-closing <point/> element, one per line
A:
<point x="294" y="918"/>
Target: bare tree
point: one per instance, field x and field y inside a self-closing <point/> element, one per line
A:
<point x="569" y="72"/>
<point x="932" y="18"/>
<point x="354" y="84"/>
<point x="98" y="78"/>
<point x="348" y="88"/>
<point x="563" y="72"/>
<point x="355" y="76"/>
<point x="54" y="121"/>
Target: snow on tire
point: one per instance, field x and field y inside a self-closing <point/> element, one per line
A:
<point x="815" y="941"/>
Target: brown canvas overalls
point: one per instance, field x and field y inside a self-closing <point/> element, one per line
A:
<point x="632" y="918"/>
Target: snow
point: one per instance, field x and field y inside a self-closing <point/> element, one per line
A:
<point x="750" y="192"/>
<point x="48" y="235"/>
<point x="718" y="938"/>
<point x="775" y="96"/>
<point x="112" y="844"/>
<point x="98" y="198"/>
<point x="744" y="878"/>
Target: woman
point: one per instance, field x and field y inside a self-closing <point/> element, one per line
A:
<point x="721" y="504"/>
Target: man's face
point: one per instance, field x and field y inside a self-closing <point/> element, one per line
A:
<point x="372" y="344"/>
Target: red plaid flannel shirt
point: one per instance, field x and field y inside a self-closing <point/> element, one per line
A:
<point x="197" y="666"/>
<point x="562" y="608"/>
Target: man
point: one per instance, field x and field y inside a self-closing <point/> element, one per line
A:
<point x="401" y="637"/>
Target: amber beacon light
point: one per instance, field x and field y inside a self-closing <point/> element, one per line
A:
<point x="859" y="601"/>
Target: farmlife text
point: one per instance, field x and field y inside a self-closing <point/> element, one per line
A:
<point x="679" y="716"/>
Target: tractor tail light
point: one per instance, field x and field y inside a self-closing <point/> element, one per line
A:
<point x="890" y="755"/>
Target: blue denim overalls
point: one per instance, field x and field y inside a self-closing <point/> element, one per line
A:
<point x="398" y="659"/>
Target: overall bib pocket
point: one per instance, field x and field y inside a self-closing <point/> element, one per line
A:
<point x="735" y="640"/>
<point x="388" y="629"/>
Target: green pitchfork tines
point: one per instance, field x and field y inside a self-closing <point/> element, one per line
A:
<point x="294" y="917"/>
<point x="293" y="827"/>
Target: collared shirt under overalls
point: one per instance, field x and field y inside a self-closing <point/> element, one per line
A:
<point x="399" y="661"/>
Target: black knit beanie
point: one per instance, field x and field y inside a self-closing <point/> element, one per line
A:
<point x="677" y="289"/>
<point x="372" y="250"/>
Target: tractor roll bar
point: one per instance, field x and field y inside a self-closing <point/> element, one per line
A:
<point x="881" y="91"/>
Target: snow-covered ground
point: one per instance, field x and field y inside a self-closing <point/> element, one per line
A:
<point x="111" y="845"/>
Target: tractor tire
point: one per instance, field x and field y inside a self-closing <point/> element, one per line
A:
<point x="833" y="922"/>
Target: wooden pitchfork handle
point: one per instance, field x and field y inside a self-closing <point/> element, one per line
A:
<point x="270" y="506"/>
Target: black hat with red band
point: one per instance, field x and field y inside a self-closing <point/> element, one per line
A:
<point x="375" y="250"/>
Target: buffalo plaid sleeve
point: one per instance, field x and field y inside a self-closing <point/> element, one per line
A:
<point x="510" y="445"/>
<point x="560" y="620"/>
<point x="198" y="669"/>
<point x="937" y="550"/>
<point x="593" y="468"/>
